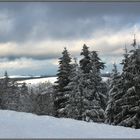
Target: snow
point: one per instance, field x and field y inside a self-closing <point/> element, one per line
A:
<point x="105" y="78"/>
<point x="48" y="79"/>
<point x="39" y="80"/>
<point x="18" y="76"/>
<point x="26" y="125"/>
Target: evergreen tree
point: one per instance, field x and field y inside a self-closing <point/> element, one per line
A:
<point x="85" y="62"/>
<point x="86" y="92"/>
<point x="61" y="96"/>
<point x="75" y="107"/>
<point x="97" y="66"/>
<point x="95" y="99"/>
<point x="113" y="90"/>
<point x="127" y="100"/>
<point x="44" y="99"/>
<point x="130" y="113"/>
<point x="10" y="98"/>
<point x="5" y="84"/>
<point x="6" y="79"/>
<point x="125" y="62"/>
<point x="24" y="99"/>
<point x="9" y="93"/>
<point x="116" y="92"/>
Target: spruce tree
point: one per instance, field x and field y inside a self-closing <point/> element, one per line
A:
<point x="75" y="107"/>
<point x="85" y="90"/>
<point x="113" y="90"/>
<point x="116" y="92"/>
<point x="127" y="100"/>
<point x="84" y="62"/>
<point x="61" y="96"/>
<point x="130" y="113"/>
<point x="97" y="66"/>
<point x="6" y="79"/>
<point x="24" y="99"/>
<point x="5" y="85"/>
<point x="94" y="97"/>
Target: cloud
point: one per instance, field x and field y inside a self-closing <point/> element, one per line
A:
<point x="106" y="43"/>
<point x="38" y="32"/>
<point x="60" y="21"/>
<point x="24" y="66"/>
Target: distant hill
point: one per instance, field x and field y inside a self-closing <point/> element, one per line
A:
<point x="22" y="77"/>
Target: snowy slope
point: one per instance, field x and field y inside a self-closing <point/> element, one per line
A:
<point x="26" y="125"/>
<point x="18" y="76"/>
<point x="49" y="79"/>
<point x="40" y="80"/>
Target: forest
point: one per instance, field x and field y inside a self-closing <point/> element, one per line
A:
<point x="79" y="92"/>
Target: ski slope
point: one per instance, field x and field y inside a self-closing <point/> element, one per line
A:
<point x="25" y="125"/>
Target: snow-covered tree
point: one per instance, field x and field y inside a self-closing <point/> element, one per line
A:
<point x="10" y="97"/>
<point x="127" y="100"/>
<point x="113" y="90"/>
<point x="7" y="87"/>
<point x="25" y="104"/>
<point x="75" y="106"/>
<point x="45" y="99"/>
<point x="6" y="79"/>
<point x="97" y="66"/>
<point x="61" y="96"/>
<point x="129" y="115"/>
<point x="85" y="91"/>
<point x="1" y="92"/>
<point x="95" y="99"/>
<point x="85" y="61"/>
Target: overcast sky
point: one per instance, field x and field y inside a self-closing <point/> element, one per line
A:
<point x="33" y="34"/>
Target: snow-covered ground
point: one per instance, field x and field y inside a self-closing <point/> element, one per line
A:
<point x="49" y="79"/>
<point x="19" y="76"/>
<point x="39" y="80"/>
<point x="25" y="125"/>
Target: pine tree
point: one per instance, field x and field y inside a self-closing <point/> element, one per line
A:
<point x="10" y="93"/>
<point x="127" y="101"/>
<point x="61" y="96"/>
<point x="11" y="96"/>
<point x="85" y="91"/>
<point x="116" y="92"/>
<point x="6" y="79"/>
<point x="85" y="62"/>
<point x="75" y="107"/>
<point x="24" y="99"/>
<point x="125" y="62"/>
<point x="131" y="98"/>
<point x="44" y="99"/>
<point x="97" y="66"/>
<point x="113" y="90"/>
<point x="94" y="97"/>
<point x="5" y="84"/>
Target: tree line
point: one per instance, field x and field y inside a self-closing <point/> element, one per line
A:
<point x="20" y="97"/>
<point x="80" y="93"/>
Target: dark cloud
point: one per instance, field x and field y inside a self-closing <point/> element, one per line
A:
<point x="35" y="57"/>
<point x="24" y="66"/>
<point x="65" y="20"/>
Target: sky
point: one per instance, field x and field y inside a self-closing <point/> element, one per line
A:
<point x="34" y="34"/>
